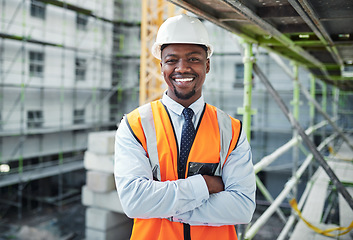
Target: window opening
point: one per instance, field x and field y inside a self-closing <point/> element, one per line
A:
<point x="79" y="116"/>
<point x="81" y="21"/>
<point x="37" y="9"/>
<point x="35" y="119"/>
<point x="36" y="64"/>
<point x="80" y="69"/>
<point x="239" y="75"/>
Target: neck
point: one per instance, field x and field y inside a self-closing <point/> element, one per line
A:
<point x="184" y="102"/>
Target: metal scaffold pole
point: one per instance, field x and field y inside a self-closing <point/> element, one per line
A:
<point x="248" y="61"/>
<point x="336" y="128"/>
<point x="296" y="105"/>
<point x="324" y="103"/>
<point x="247" y="89"/>
<point x="317" y="155"/>
<point x="269" y="197"/>
<point x="2" y="75"/>
<point x="312" y="113"/>
<point x="336" y="96"/>
<point x="313" y="101"/>
<point x="22" y="106"/>
<point x="255" y="227"/>
<point x="246" y="111"/>
<point x="312" y="94"/>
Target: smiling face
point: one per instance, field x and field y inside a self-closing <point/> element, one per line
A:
<point x="184" y="68"/>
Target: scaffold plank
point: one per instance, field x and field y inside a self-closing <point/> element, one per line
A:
<point x="39" y="173"/>
<point x="314" y="207"/>
<point x="346" y="214"/>
<point x="344" y="152"/>
<point x="343" y="169"/>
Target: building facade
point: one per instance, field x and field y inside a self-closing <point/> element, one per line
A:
<point x="65" y="70"/>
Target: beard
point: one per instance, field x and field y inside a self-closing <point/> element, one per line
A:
<point x="184" y="96"/>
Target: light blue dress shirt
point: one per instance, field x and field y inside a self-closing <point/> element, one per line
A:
<point x="184" y="200"/>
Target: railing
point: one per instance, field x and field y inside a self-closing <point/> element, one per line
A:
<point x="267" y="160"/>
<point x="289" y="185"/>
<point x="292" y="117"/>
<point x="292" y="183"/>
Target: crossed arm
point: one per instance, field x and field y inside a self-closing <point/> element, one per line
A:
<point x="214" y="184"/>
<point x="197" y="200"/>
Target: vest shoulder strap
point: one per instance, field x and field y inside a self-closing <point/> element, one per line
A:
<point x="150" y="131"/>
<point x="226" y="136"/>
<point x="141" y="124"/>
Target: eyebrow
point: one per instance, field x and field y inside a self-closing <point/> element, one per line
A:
<point x="195" y="52"/>
<point x="171" y="55"/>
<point x="188" y="54"/>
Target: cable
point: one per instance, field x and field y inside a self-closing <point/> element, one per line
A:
<point x="326" y="232"/>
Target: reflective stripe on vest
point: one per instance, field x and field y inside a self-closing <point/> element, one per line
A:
<point x="150" y="131"/>
<point x="225" y="130"/>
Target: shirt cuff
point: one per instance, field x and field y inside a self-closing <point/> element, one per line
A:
<point x="199" y="187"/>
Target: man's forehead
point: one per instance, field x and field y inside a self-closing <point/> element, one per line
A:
<point x="179" y="48"/>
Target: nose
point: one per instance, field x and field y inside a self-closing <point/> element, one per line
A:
<point x="182" y="66"/>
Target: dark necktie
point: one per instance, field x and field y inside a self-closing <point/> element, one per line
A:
<point x="187" y="137"/>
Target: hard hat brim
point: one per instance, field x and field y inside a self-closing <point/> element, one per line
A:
<point x="157" y="53"/>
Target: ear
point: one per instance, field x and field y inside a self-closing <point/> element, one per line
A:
<point x="160" y="63"/>
<point x="208" y="65"/>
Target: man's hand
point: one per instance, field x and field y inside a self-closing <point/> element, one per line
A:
<point x="214" y="184"/>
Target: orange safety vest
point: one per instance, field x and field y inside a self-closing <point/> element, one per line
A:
<point x="217" y="135"/>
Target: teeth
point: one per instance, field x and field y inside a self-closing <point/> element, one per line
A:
<point x="184" y="79"/>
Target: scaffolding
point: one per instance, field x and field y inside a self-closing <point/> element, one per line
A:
<point x="62" y="76"/>
<point x="318" y="50"/>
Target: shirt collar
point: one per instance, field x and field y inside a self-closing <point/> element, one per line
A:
<point x="177" y="108"/>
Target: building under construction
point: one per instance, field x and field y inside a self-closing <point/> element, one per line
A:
<point x="62" y="66"/>
<point x="71" y="69"/>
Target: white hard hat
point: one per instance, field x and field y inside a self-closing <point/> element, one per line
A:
<point x="181" y="29"/>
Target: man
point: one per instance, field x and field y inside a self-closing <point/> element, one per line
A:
<point x="174" y="191"/>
